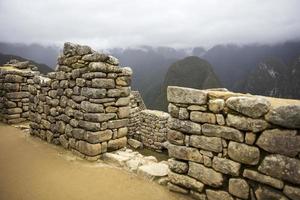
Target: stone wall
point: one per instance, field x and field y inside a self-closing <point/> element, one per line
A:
<point x="15" y="77"/>
<point x="227" y="145"/>
<point x="136" y="106"/>
<point x="152" y="129"/>
<point x="84" y="104"/>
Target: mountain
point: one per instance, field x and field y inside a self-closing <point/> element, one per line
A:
<point x="44" y="69"/>
<point x="36" y="52"/>
<point x="273" y="77"/>
<point x="192" y="72"/>
<point x="149" y="66"/>
<point x="232" y="63"/>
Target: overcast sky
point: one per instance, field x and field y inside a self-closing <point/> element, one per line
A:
<point x="123" y="23"/>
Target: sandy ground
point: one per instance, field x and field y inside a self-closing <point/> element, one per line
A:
<point x="31" y="169"/>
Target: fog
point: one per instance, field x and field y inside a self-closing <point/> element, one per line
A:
<point x="174" y="23"/>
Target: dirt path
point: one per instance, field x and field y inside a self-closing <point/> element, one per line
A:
<point x="31" y="169"/>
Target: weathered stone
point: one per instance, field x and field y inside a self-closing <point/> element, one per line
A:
<point x="123" y="81"/>
<point x="203" y="117"/>
<point x="17" y="95"/>
<point x="220" y="119"/>
<point x="197" y="195"/>
<point x="12" y="87"/>
<point x="213" y="144"/>
<point x="226" y="166"/>
<point x="254" y="107"/>
<point x="134" y="143"/>
<point x="281" y="167"/>
<point x="186" y="95"/>
<point x="117" y="144"/>
<point x="243" y="153"/>
<point x="202" y="108"/>
<point x="64" y="142"/>
<point x="98" y="117"/>
<point x="178" y="166"/>
<point x="246" y="124"/>
<point x="111" y="109"/>
<point x="175" y="188"/>
<point x="184" y="126"/>
<point x="206" y="175"/>
<point x="103" y="83"/>
<point x="91" y="107"/>
<point x="292" y="192"/>
<point x="12" y="111"/>
<point x="218" y="195"/>
<point x="90" y="126"/>
<point x="123" y="112"/>
<point x="117" y="123"/>
<point x="91" y="75"/>
<point x="97" y="137"/>
<point x="120" y="92"/>
<point x="175" y="137"/>
<point x="185" y="181"/>
<point x="95" y="57"/>
<point x="268" y="180"/>
<point x="283" y="142"/>
<point x="263" y="193"/>
<point x="184" y="153"/>
<point x="239" y="188"/>
<point x="93" y="92"/>
<point x="173" y="110"/>
<point x="123" y="101"/>
<point x="83" y="50"/>
<point x="112" y="60"/>
<point x="216" y="105"/>
<point x="250" y="138"/>
<point x="88" y="149"/>
<point x="153" y="170"/>
<point x="222" y="131"/>
<point x="286" y="116"/>
<point x="183" y="113"/>
<point x="12" y="78"/>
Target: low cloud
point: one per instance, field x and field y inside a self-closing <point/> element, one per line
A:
<point x="176" y="23"/>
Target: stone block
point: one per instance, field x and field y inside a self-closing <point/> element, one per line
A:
<point x="268" y="180"/>
<point x="222" y="131"/>
<point x="243" y="153"/>
<point x="213" y="144"/>
<point x="186" y="95"/>
<point x="203" y="117"/>
<point x="226" y="166"/>
<point x="205" y="175"/>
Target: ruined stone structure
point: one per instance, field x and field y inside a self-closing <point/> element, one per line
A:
<point x="229" y="146"/>
<point x="222" y="145"/>
<point x="84" y="104"/>
<point x="152" y="129"/>
<point x="15" y="77"/>
<point x="136" y="106"/>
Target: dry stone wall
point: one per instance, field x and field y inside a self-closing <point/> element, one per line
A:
<point x="152" y="129"/>
<point x="225" y="145"/>
<point x="15" y="77"/>
<point x="136" y="106"/>
<point x="84" y="104"/>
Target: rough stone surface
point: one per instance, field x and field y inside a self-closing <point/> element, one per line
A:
<point x="243" y="153"/>
<point x="185" y="153"/>
<point x="281" y="167"/>
<point x="222" y="131"/>
<point x="246" y="124"/>
<point x="292" y="192"/>
<point x="283" y="142"/>
<point x="186" y="95"/>
<point x="185" y="181"/>
<point x="185" y="126"/>
<point x="254" y="107"/>
<point x="218" y="195"/>
<point x="268" y="180"/>
<point x="285" y="116"/>
<point x="213" y="144"/>
<point x="205" y="175"/>
<point x="263" y="192"/>
<point x="203" y="117"/>
<point x="239" y="188"/>
<point x="178" y="166"/>
<point x="153" y="170"/>
<point x="226" y="166"/>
